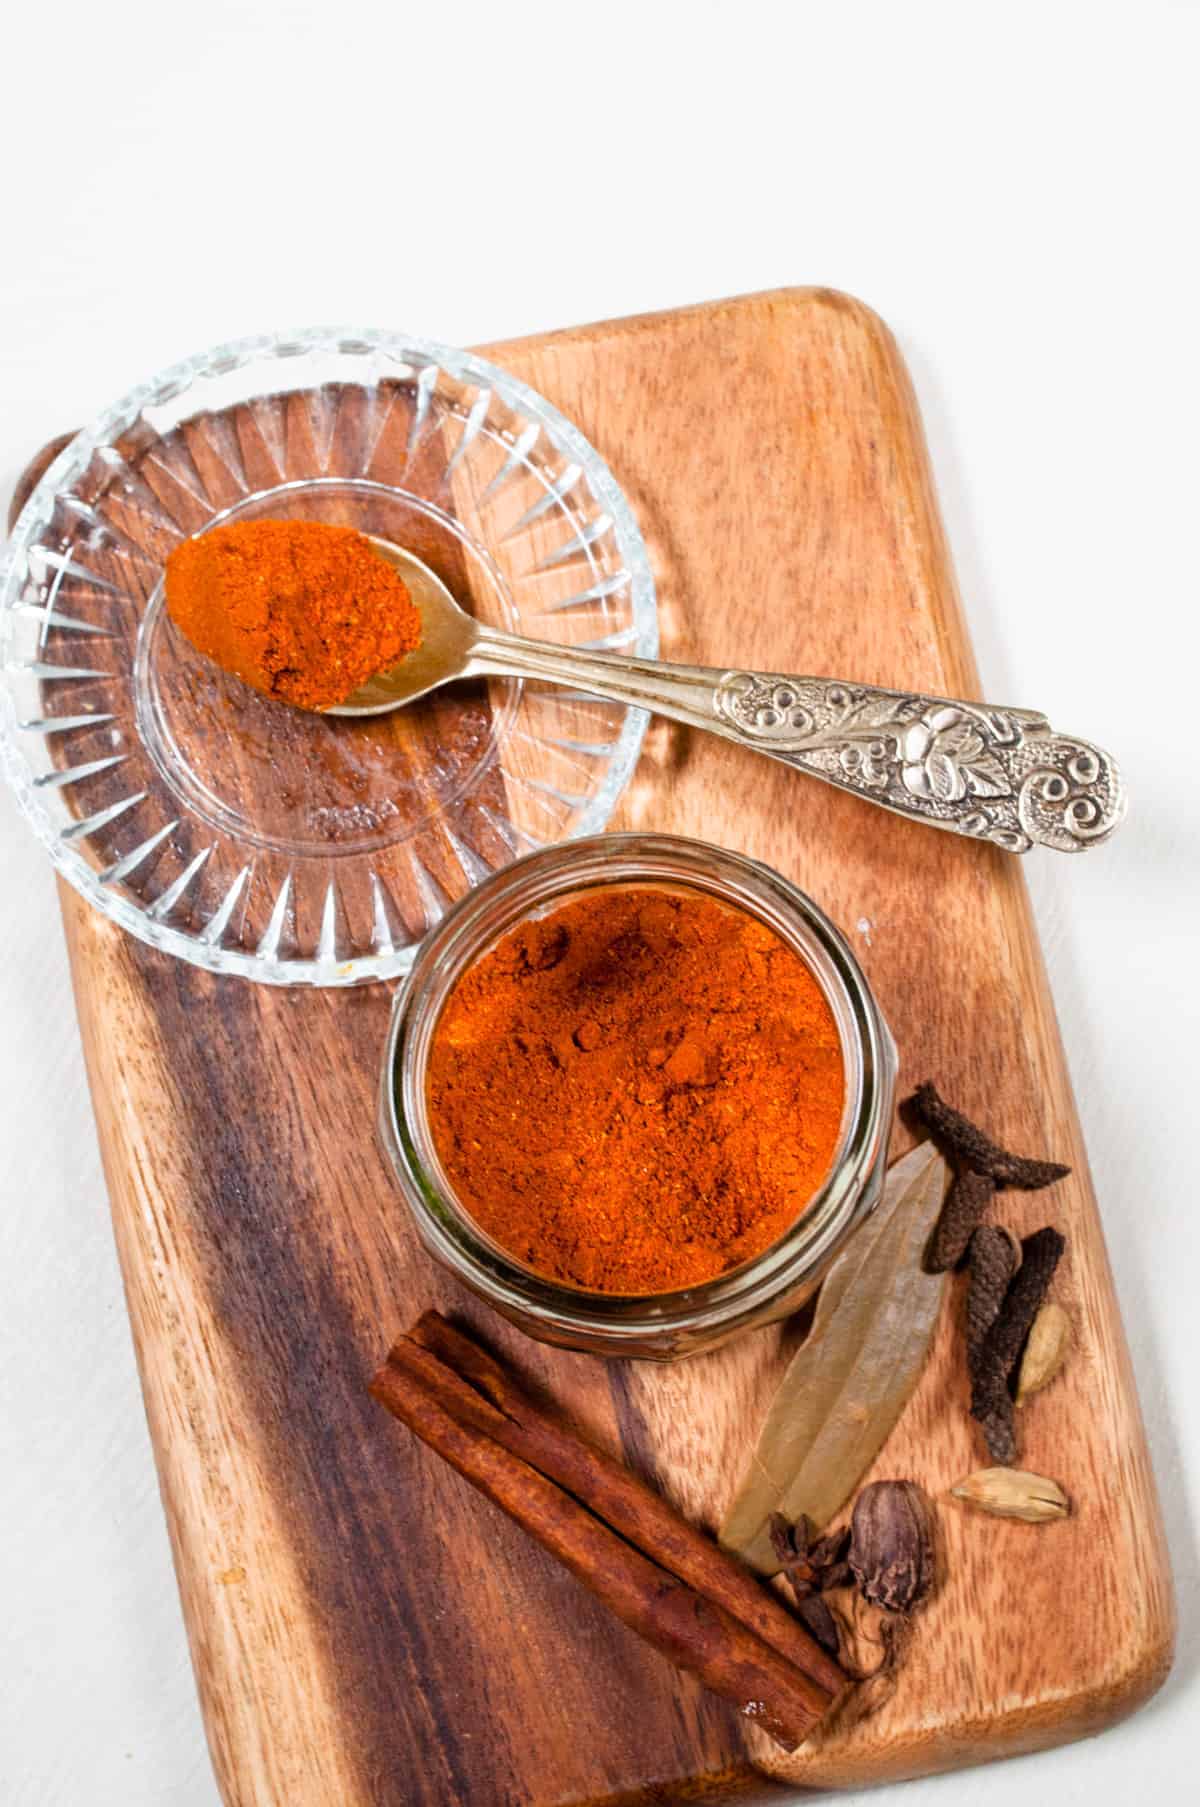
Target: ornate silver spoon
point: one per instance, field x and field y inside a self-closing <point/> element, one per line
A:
<point x="999" y="775"/>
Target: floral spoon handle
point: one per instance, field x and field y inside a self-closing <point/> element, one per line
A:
<point x="1000" y="775"/>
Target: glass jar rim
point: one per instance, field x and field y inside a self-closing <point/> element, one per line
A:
<point x="544" y="880"/>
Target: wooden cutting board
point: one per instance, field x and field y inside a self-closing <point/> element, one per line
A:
<point x="364" y="1628"/>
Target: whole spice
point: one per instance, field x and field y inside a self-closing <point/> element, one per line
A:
<point x="810" y="1566"/>
<point x="966" y="1203"/>
<point x="638" y="1091"/>
<point x="848" y="1383"/>
<point x="891" y="1545"/>
<point x="657" y="1572"/>
<point x="1045" y="1352"/>
<point x="301" y="610"/>
<point x="991" y="1399"/>
<point x="976" y="1150"/>
<point x="893" y="1560"/>
<point x="1013" y="1493"/>
<point x="995" y="1256"/>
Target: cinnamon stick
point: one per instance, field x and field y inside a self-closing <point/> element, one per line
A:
<point x="695" y="1632"/>
<point x="626" y="1503"/>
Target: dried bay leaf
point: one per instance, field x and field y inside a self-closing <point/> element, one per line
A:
<point x="808" y="1383"/>
<point x="846" y="1386"/>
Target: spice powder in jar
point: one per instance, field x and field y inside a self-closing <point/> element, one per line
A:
<point x="637" y="1091"/>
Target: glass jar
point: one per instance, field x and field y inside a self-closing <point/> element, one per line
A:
<point x="660" y="1326"/>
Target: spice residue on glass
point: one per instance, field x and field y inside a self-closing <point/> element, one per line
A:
<point x="302" y="610"/>
<point x="638" y="1091"/>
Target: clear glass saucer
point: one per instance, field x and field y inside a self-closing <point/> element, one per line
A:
<point x="233" y="831"/>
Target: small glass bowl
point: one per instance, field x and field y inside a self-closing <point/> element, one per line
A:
<point x="234" y="831"/>
<point x="659" y="1326"/>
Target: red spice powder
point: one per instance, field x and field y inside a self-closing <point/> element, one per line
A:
<point x="638" y="1091"/>
<point x="302" y="610"/>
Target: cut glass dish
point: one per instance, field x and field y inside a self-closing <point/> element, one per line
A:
<point x="229" y="829"/>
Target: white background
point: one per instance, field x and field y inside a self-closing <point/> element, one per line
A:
<point x="1014" y="187"/>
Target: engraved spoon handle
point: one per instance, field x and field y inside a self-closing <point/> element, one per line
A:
<point x="999" y="775"/>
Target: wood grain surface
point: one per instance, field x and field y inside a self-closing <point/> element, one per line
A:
<point x="364" y="1628"/>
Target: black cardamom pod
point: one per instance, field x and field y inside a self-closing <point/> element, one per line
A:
<point x="892" y="1545"/>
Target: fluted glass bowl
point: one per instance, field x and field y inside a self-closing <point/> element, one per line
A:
<point x="233" y="831"/>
